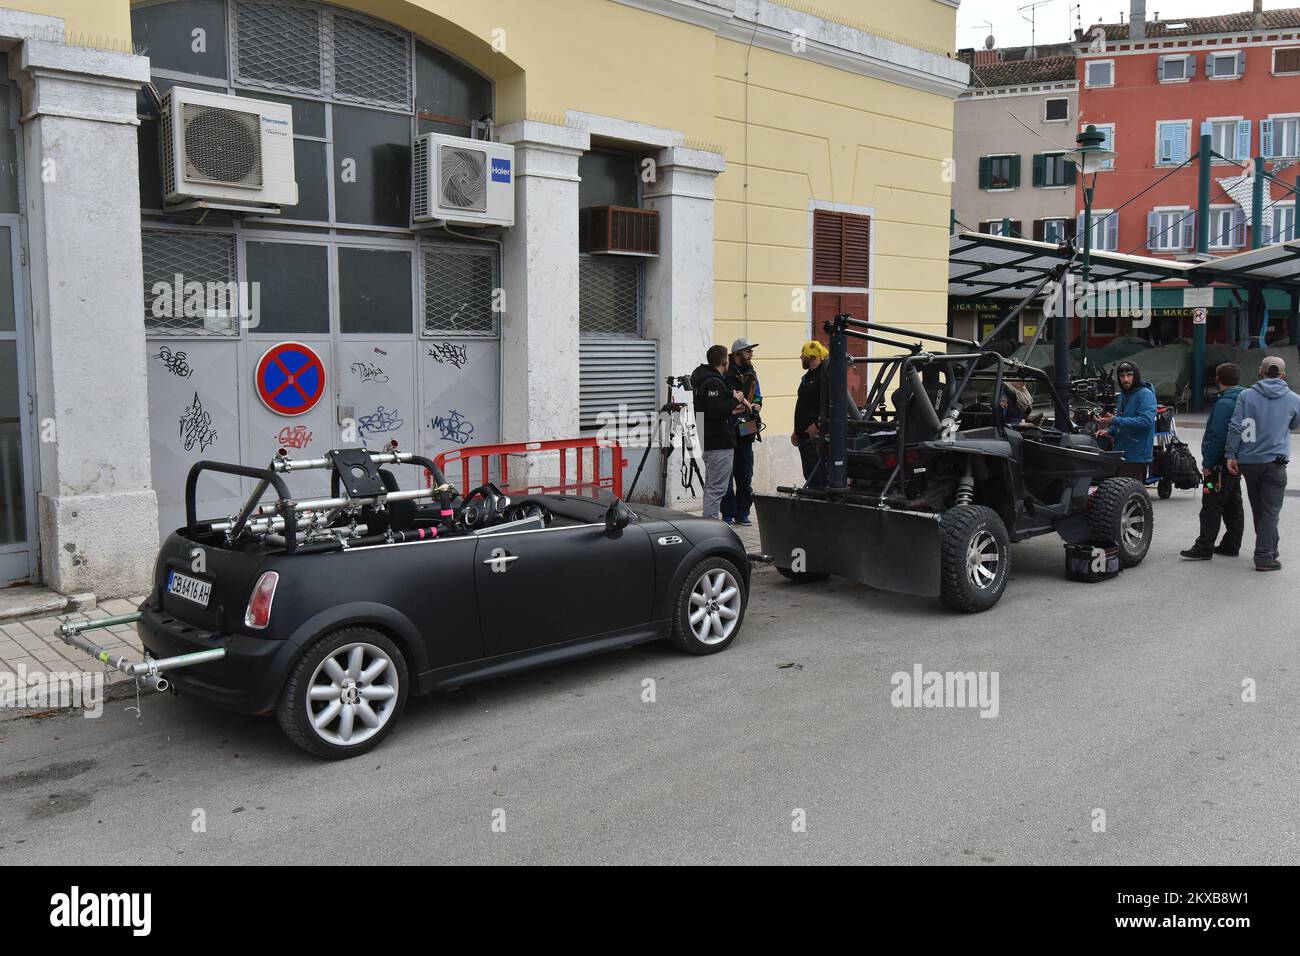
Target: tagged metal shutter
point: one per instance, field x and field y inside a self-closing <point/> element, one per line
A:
<point x="614" y="371"/>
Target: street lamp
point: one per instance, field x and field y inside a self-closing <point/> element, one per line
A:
<point x="1091" y="156"/>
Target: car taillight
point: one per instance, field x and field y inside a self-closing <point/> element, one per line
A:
<point x="258" y="614"/>
<point x="911" y="456"/>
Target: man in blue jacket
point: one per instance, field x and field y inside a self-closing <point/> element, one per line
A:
<point x="1221" y="493"/>
<point x="1133" y="423"/>
<point x="1259" y="448"/>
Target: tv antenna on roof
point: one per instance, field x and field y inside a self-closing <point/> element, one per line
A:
<point x="1032" y="20"/>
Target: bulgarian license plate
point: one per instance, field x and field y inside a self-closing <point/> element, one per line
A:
<point x="192" y="589"/>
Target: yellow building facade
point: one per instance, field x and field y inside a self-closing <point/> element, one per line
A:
<point x="757" y="115"/>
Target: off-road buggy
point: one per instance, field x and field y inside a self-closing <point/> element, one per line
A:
<point x="927" y="483"/>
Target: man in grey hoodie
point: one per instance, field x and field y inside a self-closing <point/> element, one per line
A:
<point x="1259" y="447"/>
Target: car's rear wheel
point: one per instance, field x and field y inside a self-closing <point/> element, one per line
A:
<point x="1120" y="511"/>
<point x="345" y="694"/>
<point x="710" y="607"/>
<point x="975" y="558"/>
<point x="802" y="577"/>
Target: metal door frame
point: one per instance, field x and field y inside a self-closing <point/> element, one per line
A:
<point x="9" y="553"/>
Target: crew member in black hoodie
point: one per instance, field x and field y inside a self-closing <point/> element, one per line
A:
<point x="807" y="409"/>
<point x="716" y="406"/>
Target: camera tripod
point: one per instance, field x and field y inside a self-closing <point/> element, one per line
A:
<point x="681" y="422"/>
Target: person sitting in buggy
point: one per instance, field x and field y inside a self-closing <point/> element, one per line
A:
<point x="1133" y="423"/>
<point x="1014" y="404"/>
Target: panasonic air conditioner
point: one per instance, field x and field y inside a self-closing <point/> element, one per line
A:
<point x="464" y="181"/>
<point x="226" y="150"/>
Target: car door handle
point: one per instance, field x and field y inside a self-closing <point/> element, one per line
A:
<point x="504" y="559"/>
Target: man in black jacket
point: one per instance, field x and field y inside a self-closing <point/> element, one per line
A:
<point x="742" y="377"/>
<point x="807" y="410"/>
<point x="716" y="406"/>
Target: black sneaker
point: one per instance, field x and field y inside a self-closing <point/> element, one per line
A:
<point x="1227" y="553"/>
<point x="1197" y="554"/>
<point x="1273" y="565"/>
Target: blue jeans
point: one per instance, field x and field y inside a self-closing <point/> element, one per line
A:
<point x="740" y="492"/>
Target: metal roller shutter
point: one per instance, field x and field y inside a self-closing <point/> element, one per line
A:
<point x="614" y="371"/>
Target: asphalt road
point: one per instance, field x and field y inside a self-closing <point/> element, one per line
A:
<point x="1124" y="696"/>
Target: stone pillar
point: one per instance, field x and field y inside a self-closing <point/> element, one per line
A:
<point x="98" y="516"/>
<point x="539" y="331"/>
<point x="679" y="291"/>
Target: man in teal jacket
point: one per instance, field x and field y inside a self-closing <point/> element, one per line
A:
<point x="1133" y="423"/>
<point x="1221" y="493"/>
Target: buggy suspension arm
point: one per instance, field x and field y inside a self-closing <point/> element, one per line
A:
<point x="147" y="671"/>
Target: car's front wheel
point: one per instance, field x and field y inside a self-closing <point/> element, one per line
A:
<point x="710" y="607"/>
<point x="345" y="694"/>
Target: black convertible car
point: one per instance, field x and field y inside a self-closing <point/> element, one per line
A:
<point x="332" y="611"/>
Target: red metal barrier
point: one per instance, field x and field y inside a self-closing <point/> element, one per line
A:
<point x="584" y="475"/>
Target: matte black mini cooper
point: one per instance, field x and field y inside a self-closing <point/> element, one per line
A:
<point x="332" y="611"/>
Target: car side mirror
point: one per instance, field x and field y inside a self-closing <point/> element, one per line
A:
<point x="617" y="517"/>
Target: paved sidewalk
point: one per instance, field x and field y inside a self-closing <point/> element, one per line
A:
<point x="35" y="647"/>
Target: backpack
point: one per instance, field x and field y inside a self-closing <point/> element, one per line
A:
<point x="1180" y="466"/>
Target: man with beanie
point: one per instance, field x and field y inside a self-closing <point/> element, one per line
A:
<point x="1221" y="494"/>
<point x="1259" y="448"/>
<point x="1133" y="423"/>
<point x="741" y="377"/>
<point x="716" y="406"/>
<point x="807" y="410"/>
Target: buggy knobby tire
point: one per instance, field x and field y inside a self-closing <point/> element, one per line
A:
<point x="975" y="558"/>
<point x="709" y="608"/>
<point x="345" y="694"/>
<point x="1120" y="511"/>
<point x="802" y="577"/>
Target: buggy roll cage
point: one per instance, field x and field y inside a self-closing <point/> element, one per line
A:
<point x="355" y="472"/>
<point x="975" y="361"/>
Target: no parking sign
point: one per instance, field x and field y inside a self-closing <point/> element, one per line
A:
<point x="290" y="378"/>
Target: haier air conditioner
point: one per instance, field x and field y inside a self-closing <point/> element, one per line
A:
<point x="226" y="151"/>
<point x="464" y="181"/>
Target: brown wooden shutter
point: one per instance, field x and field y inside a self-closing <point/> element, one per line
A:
<point x="841" y="249"/>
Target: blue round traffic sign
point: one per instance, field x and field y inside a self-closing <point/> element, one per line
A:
<point x="290" y="378"/>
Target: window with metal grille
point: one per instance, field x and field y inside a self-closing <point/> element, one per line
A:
<point x="1286" y="61"/>
<point x="189" y="283"/>
<point x="458" y="286"/>
<point x="609" y="296"/>
<point x="841" y="249"/>
<point x="372" y="64"/>
<point x="279" y="46"/>
<point x="304" y="48"/>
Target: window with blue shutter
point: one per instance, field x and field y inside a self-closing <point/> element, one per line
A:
<point x="1189" y="231"/>
<point x="1112" y="232"/>
<point x="1266" y="138"/>
<point x="1153" y="230"/>
<point x="1243" y="139"/>
<point x="1239" y="228"/>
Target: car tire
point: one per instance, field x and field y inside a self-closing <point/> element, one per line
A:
<point x="1120" y="511"/>
<point x="972" y="537"/>
<point x="363" y="687"/>
<point x="1165" y="489"/>
<point x="716" y="584"/>
<point x="802" y="577"/>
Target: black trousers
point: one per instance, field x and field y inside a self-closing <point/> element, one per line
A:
<point x="814" y="467"/>
<point x="1222" y="507"/>
<point x="1266" y="488"/>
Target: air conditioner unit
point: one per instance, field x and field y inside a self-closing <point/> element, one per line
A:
<point x="226" y="149"/>
<point x="466" y="181"/>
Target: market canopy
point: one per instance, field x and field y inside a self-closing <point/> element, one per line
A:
<point x="1002" y="267"/>
<point x="1277" y="266"/>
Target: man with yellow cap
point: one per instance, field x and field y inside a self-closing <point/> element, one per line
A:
<point x="807" y="409"/>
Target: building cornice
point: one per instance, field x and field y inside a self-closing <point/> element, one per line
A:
<point x="1204" y="42"/>
<point x="781" y="29"/>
